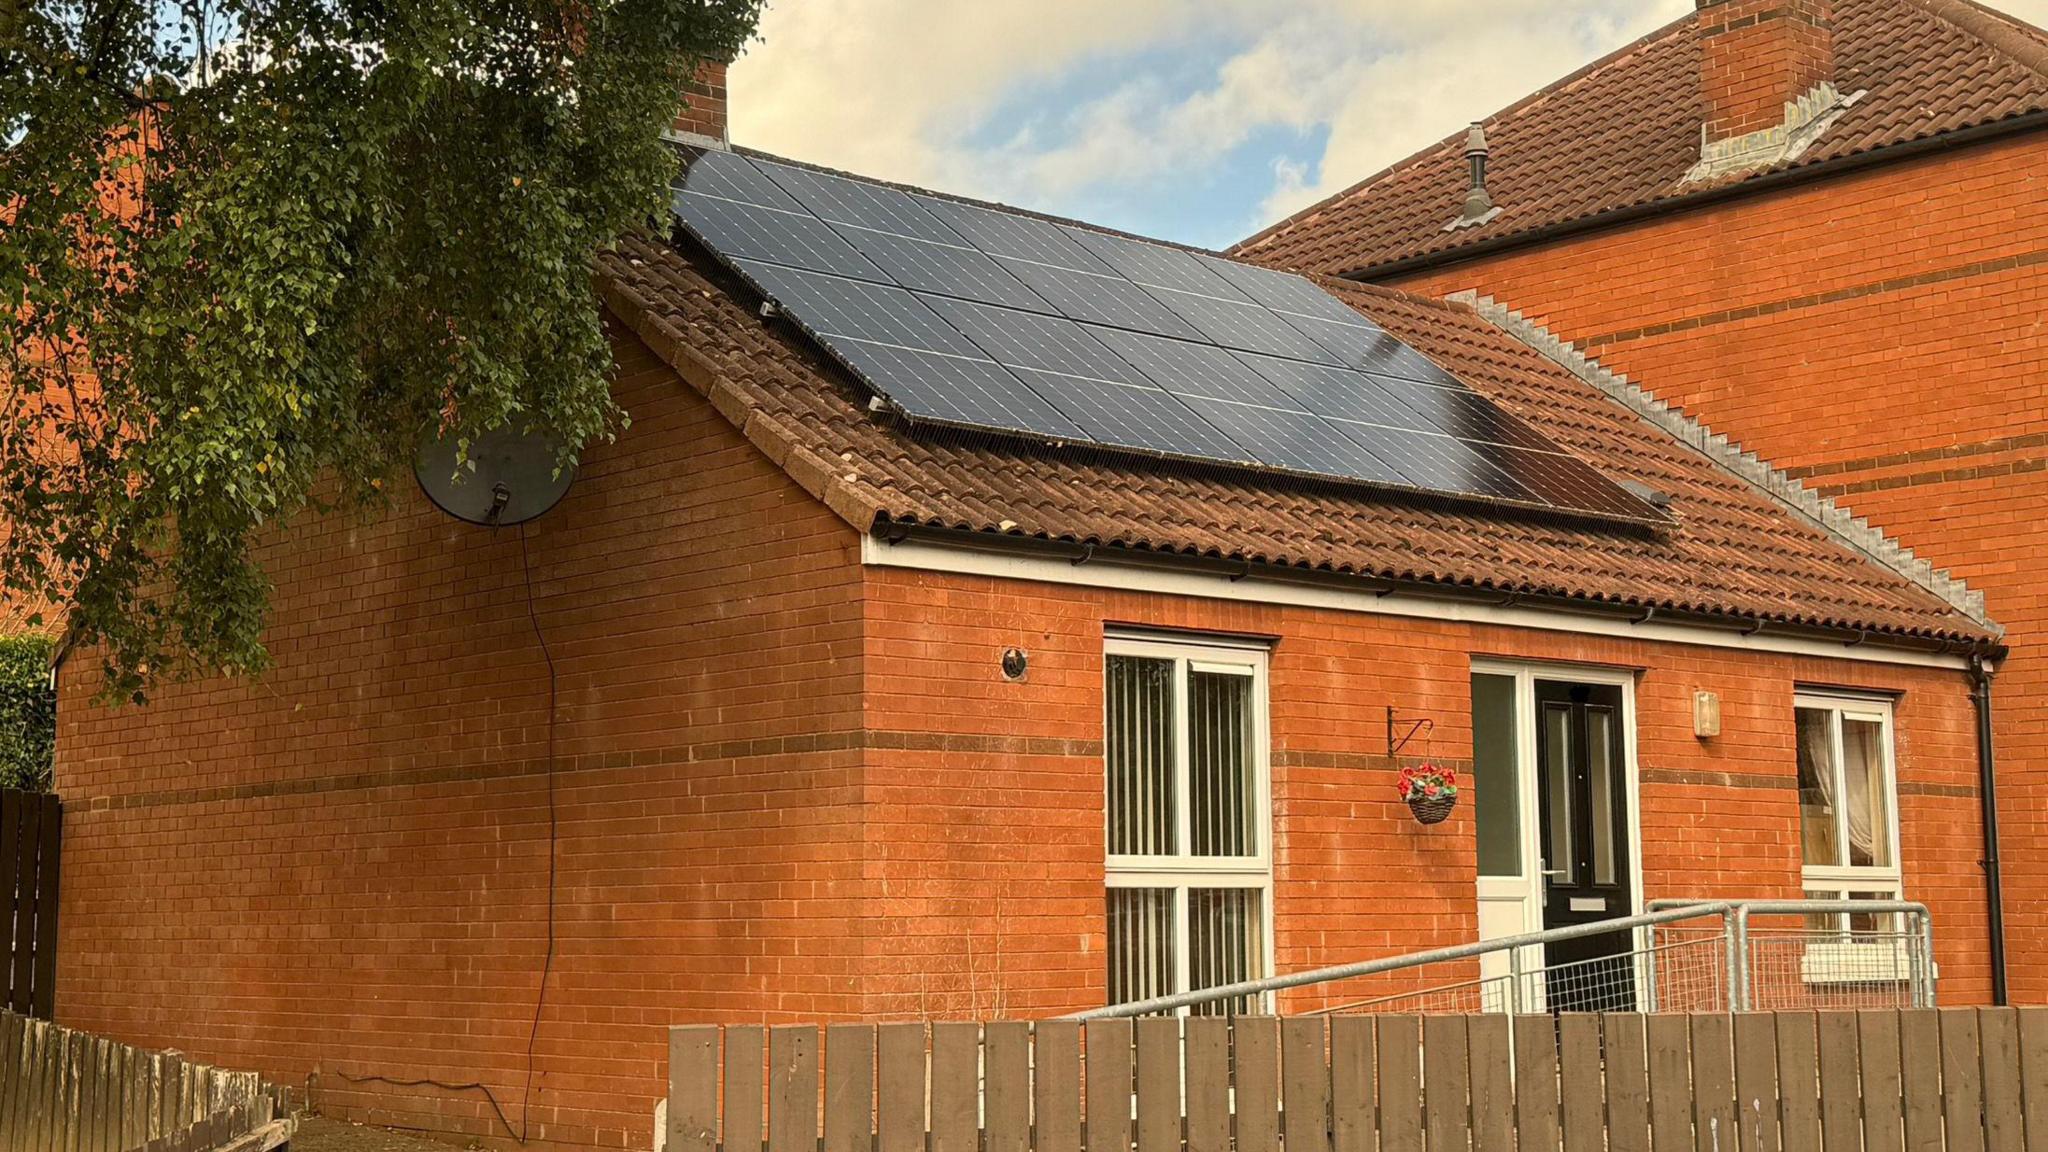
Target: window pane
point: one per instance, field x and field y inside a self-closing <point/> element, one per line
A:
<point x="1600" y="770"/>
<point x="1222" y="789"/>
<point x="1140" y="944"/>
<point x="1868" y="802"/>
<point x="1561" y="852"/>
<point x="1226" y="944"/>
<point x="1872" y="923"/>
<point x="1139" y="751"/>
<point x="1817" y="785"/>
<point x="1822" y="921"/>
<point x="1496" y="805"/>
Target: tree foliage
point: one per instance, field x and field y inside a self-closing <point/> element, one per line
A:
<point x="254" y="249"/>
<point x="28" y="713"/>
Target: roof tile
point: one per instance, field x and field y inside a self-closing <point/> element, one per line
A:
<point x="1624" y="132"/>
<point x="1733" y="550"/>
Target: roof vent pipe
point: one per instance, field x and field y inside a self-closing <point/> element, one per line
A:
<point x="1479" y="206"/>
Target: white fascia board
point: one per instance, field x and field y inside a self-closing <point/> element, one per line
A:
<point x="1107" y="574"/>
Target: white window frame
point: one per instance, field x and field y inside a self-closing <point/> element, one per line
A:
<point x="1184" y="872"/>
<point x="1826" y="962"/>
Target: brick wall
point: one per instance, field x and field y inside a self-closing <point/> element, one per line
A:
<point x="1882" y="334"/>
<point x="704" y="104"/>
<point x="343" y="867"/>
<point x="786" y="789"/>
<point x="985" y="796"/>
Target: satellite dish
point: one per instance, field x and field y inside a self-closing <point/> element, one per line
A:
<point x="510" y="476"/>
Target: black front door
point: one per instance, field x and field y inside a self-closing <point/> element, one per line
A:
<point x="1582" y="778"/>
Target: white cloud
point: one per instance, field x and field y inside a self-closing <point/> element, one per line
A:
<point x="909" y="89"/>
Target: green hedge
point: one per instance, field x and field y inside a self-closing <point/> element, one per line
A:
<point x="28" y="713"/>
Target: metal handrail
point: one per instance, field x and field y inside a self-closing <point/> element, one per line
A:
<point x="1734" y="914"/>
<point x="1396" y="963"/>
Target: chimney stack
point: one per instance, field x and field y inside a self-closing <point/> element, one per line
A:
<point x="1758" y="59"/>
<point x="702" y="118"/>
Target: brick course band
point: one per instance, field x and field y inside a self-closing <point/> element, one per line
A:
<point x="1790" y="12"/>
<point x="1923" y="456"/>
<point x="1747" y="780"/>
<point x="1944" y="476"/>
<point x="1874" y="288"/>
<point x="511" y="769"/>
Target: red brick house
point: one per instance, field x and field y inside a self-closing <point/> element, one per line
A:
<point x="1814" y="228"/>
<point x="792" y="712"/>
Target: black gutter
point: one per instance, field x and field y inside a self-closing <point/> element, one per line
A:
<point x="1238" y="569"/>
<point x="1769" y="181"/>
<point x="1987" y="789"/>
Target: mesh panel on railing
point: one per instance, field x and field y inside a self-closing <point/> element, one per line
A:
<point x="1679" y="968"/>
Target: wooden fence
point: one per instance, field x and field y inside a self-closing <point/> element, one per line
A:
<point x="30" y="823"/>
<point x="1954" y="1079"/>
<point x="66" y="1091"/>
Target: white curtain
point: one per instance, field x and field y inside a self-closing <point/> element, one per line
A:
<point x="1863" y="769"/>
<point x="1817" y="772"/>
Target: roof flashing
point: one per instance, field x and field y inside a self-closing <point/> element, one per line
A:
<point x="1806" y="120"/>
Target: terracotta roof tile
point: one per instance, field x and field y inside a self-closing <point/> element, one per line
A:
<point x="1733" y="551"/>
<point x="1624" y="132"/>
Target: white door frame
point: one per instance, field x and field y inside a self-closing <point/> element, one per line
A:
<point x="1529" y="885"/>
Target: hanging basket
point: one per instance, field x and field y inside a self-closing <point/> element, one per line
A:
<point x="1432" y="809"/>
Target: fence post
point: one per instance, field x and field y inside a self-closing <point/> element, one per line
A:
<point x="1514" y="981"/>
<point x="1735" y="922"/>
<point x="1650" y="969"/>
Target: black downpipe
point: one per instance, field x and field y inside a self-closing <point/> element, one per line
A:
<point x="1987" y="788"/>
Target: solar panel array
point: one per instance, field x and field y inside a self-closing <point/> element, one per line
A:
<point x="969" y="316"/>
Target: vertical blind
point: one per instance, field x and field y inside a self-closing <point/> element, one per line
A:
<point x="1183" y="789"/>
<point x="1140" y="757"/>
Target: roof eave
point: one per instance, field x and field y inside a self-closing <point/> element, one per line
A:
<point x="1236" y="568"/>
<point x="1753" y="186"/>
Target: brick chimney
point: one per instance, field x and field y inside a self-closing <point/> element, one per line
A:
<point x="1759" y="56"/>
<point x="702" y="118"/>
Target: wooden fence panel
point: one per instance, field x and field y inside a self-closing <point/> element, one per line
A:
<point x="1581" y="1084"/>
<point x="1056" y="1087"/>
<point x="1774" y="1082"/>
<point x="30" y="843"/>
<point x="1304" y="1084"/>
<point x="849" y="1089"/>
<point x="1798" y="1082"/>
<point x="1207" y="1055"/>
<point x="1962" y="1082"/>
<point x="793" y="1089"/>
<point x="1998" y="1033"/>
<point x="899" y="1094"/>
<point x="1670" y="1044"/>
<point x="1877" y="1034"/>
<point x="68" y="1091"/>
<point x="692" y="1089"/>
<point x="1108" y="1074"/>
<point x="1493" y="1091"/>
<point x="1400" y="1063"/>
<point x="1756" y="1082"/>
<point x="1536" y="1098"/>
<point x="1354" y="1096"/>
<point x="1257" y="1082"/>
<point x="1628" y="1082"/>
<point x="745" y="1098"/>
<point x="1446" y="1084"/>
<point x="1920" y="1071"/>
<point x="956" y="1080"/>
<point x="1007" y="1055"/>
<point x="1159" y="1064"/>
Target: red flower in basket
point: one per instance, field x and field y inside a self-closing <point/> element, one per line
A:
<point x="1431" y="791"/>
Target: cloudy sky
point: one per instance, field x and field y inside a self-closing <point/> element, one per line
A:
<point x="1195" y="120"/>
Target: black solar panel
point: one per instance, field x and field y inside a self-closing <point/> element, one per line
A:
<point x="963" y="315"/>
<point x="838" y="200"/>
